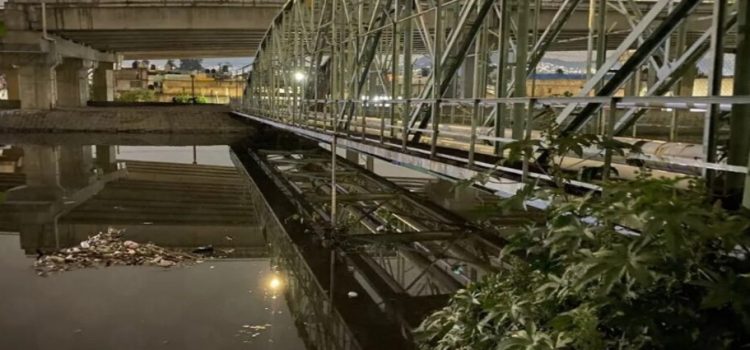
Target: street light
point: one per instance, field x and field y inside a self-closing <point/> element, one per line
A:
<point x="299" y="76"/>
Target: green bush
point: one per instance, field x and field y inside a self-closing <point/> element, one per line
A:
<point x="681" y="282"/>
<point x="189" y="99"/>
<point x="137" y="95"/>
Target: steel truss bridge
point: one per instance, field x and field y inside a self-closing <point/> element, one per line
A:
<point x="442" y="86"/>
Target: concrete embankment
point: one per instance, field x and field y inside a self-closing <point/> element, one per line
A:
<point x="136" y="119"/>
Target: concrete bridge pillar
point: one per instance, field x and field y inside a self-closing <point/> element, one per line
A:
<point x="76" y="165"/>
<point x="33" y="84"/>
<point x="106" y="158"/>
<point x="73" y="82"/>
<point x="42" y="169"/>
<point x="12" y="80"/>
<point x="104" y="82"/>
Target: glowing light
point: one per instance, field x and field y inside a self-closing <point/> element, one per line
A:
<point x="275" y="283"/>
<point x="299" y="76"/>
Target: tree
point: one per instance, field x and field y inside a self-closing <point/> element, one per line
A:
<point x="191" y="64"/>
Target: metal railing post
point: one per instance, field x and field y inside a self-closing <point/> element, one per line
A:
<point x="527" y="150"/>
<point x="610" y="129"/>
<point x="473" y="136"/>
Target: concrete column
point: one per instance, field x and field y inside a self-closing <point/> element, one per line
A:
<point x="12" y="79"/>
<point x="41" y="166"/>
<point x="73" y="82"/>
<point x="76" y="165"/>
<point x="42" y="169"/>
<point x="33" y="84"/>
<point x="106" y="159"/>
<point x="104" y="81"/>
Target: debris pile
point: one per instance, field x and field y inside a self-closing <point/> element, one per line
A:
<point x="107" y="249"/>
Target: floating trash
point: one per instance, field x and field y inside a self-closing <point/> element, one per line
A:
<point x="248" y="332"/>
<point x="209" y="249"/>
<point x="107" y="249"/>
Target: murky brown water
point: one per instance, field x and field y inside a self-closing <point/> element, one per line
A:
<point x="155" y="194"/>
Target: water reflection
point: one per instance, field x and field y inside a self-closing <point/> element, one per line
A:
<point x="55" y="196"/>
<point x="399" y="259"/>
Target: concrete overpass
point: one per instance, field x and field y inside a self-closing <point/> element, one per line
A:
<point x="48" y="49"/>
<point x="142" y="29"/>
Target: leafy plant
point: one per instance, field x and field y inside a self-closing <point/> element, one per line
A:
<point x="185" y="99"/>
<point x="679" y="278"/>
<point x="137" y="95"/>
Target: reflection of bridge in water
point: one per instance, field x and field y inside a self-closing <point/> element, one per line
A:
<point x="362" y="275"/>
<point x="172" y="205"/>
<point x="392" y="258"/>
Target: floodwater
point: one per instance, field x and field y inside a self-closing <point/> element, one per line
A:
<point x="156" y="194"/>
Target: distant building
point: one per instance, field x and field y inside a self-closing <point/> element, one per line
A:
<point x="218" y="87"/>
<point x="130" y="79"/>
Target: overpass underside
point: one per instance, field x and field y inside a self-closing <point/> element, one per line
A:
<point x="452" y="82"/>
<point x="151" y="29"/>
<point x="49" y="49"/>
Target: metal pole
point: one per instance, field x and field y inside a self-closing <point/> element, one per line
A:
<point x="522" y="47"/>
<point x="590" y="40"/>
<point x="610" y="128"/>
<point x="473" y="136"/>
<point x="680" y="46"/>
<point x="528" y="150"/>
<point x="535" y="26"/>
<point x="739" y="141"/>
<point x="711" y="125"/>
<point x="192" y="86"/>
<point x="407" y="74"/>
<point x="436" y="77"/>
<point x="601" y="48"/>
<point x="394" y="63"/>
<point x="334" y="147"/>
<point x="500" y="84"/>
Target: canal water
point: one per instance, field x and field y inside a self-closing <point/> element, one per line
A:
<point x="257" y="285"/>
<point x="177" y="197"/>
